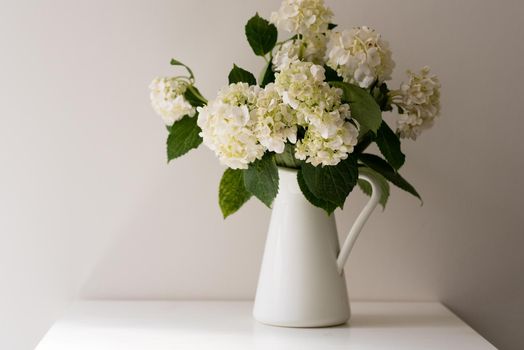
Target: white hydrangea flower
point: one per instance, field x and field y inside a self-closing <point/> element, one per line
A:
<point x="275" y="121"/>
<point x="419" y="99"/>
<point x="326" y="120"/>
<point x="310" y="49"/>
<point x="306" y="17"/>
<point x="360" y="56"/>
<point x="285" y="54"/>
<point x="329" y="137"/>
<point x="238" y="94"/>
<point x="167" y="99"/>
<point x="318" y="150"/>
<point x="299" y="83"/>
<point x="227" y="126"/>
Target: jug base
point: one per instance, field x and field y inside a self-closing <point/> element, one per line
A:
<point x="303" y="323"/>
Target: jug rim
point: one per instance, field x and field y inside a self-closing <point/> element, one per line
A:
<point x="286" y="169"/>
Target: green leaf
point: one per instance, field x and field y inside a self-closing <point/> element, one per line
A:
<point x="389" y="145"/>
<point x="261" y="35"/>
<point x="178" y="63"/>
<point x="193" y="96"/>
<point x="317" y="202"/>
<point x="287" y="158"/>
<point x="382" y="182"/>
<point x="383" y="168"/>
<point x="332" y="183"/>
<point x="261" y="179"/>
<point x="364" y="109"/>
<point x="183" y="136"/>
<point x="267" y="75"/>
<point x="232" y="193"/>
<point x="239" y="75"/>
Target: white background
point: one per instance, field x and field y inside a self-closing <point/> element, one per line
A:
<point x="89" y="208"/>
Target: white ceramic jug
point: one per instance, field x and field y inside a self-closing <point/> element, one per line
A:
<point x="301" y="281"/>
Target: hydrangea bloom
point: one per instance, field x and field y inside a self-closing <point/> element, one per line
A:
<point x="227" y="126"/>
<point x="288" y="52"/>
<point x="275" y="121"/>
<point x="329" y="136"/>
<point x="311" y="49"/>
<point x="167" y="98"/>
<point x="318" y="150"/>
<point x="299" y="81"/>
<point x="419" y="99"/>
<point x="360" y="56"/>
<point x="306" y="17"/>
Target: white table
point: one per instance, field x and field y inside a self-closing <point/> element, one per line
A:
<point x="144" y="325"/>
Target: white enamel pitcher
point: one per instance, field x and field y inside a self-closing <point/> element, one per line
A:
<point x="301" y="281"/>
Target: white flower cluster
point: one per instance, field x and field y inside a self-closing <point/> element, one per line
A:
<point x="328" y="151"/>
<point x="245" y="121"/>
<point x="419" y="99"/>
<point x="305" y="17"/>
<point x="310" y="49"/>
<point x="309" y="19"/>
<point x="360" y="56"/>
<point x="227" y="126"/>
<point x="275" y="121"/>
<point x="167" y="98"/>
<point x="329" y="136"/>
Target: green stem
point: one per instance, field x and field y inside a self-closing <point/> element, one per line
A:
<point x="287" y="158"/>
<point x="280" y="43"/>
<point x="183" y="77"/>
<point x="178" y="63"/>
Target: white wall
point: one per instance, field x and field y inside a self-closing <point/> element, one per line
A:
<point x="89" y="207"/>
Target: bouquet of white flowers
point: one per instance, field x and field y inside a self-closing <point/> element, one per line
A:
<point x="316" y="107"/>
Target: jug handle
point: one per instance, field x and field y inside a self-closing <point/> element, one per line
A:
<point x="376" y="193"/>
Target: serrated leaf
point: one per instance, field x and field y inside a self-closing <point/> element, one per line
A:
<point x="183" y="137"/>
<point x="332" y="183"/>
<point x="192" y="96"/>
<point x="261" y="179"/>
<point x="389" y="145"/>
<point x="287" y="158"/>
<point x="267" y="75"/>
<point x="364" y="108"/>
<point x="383" y="168"/>
<point x="175" y="62"/>
<point x="317" y="202"/>
<point x="239" y="75"/>
<point x="232" y="193"/>
<point x="381" y="181"/>
<point x="261" y="35"/>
